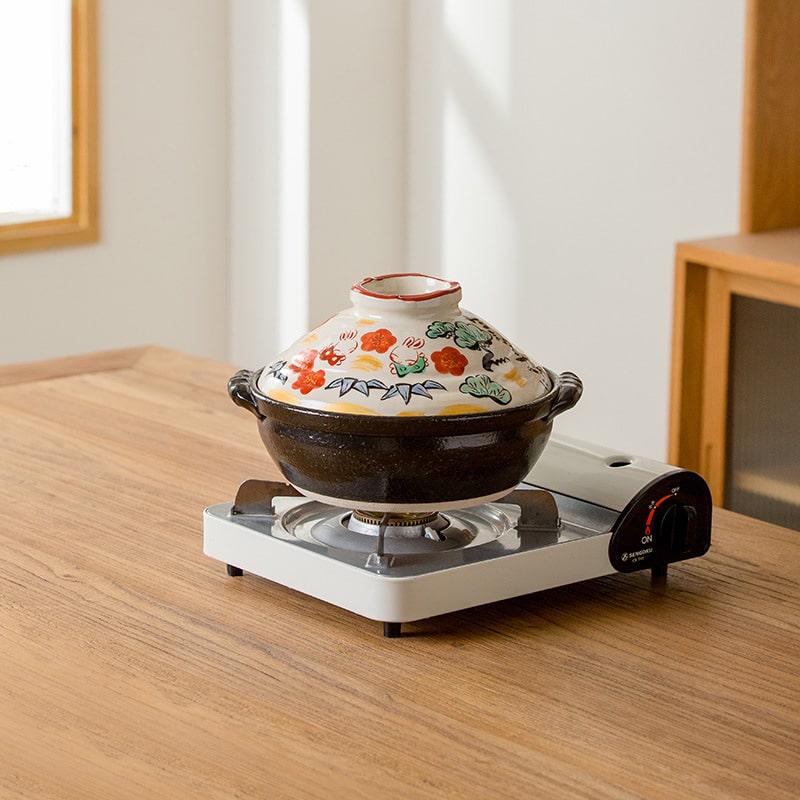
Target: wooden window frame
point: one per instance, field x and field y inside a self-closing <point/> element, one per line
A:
<point x="80" y="226"/>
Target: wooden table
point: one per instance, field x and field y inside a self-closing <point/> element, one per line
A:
<point x="133" y="666"/>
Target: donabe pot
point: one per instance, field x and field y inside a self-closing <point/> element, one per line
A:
<point x="404" y="463"/>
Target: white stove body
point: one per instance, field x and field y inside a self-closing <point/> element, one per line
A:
<point x="614" y="512"/>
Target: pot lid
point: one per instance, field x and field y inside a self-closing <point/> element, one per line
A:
<point x="405" y="347"/>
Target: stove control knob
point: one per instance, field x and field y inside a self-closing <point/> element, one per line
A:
<point x="668" y="520"/>
<point x="677" y="528"/>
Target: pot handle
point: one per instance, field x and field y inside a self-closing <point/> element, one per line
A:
<point x="240" y="389"/>
<point x="570" y="389"/>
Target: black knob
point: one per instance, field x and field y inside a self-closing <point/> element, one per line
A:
<point x="677" y="528"/>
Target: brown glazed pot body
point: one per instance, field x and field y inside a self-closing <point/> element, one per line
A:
<point x="363" y="461"/>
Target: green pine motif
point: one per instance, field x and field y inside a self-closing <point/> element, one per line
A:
<point x="484" y="386"/>
<point x="437" y="330"/>
<point x="464" y="334"/>
<point x="470" y="336"/>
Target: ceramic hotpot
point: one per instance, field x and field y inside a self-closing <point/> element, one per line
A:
<point x="404" y="402"/>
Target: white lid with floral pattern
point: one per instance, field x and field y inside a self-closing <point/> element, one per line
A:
<point x="404" y="348"/>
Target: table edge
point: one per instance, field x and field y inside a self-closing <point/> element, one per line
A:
<point x="65" y="366"/>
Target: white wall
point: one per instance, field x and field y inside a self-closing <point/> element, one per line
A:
<point x="558" y="150"/>
<point x="318" y="157"/>
<point x="158" y="273"/>
<point x="358" y="146"/>
<point x="546" y="153"/>
<point x="256" y="82"/>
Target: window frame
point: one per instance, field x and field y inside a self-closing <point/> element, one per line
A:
<point x="81" y="226"/>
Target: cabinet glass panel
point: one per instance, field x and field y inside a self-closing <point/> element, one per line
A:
<point x="763" y="448"/>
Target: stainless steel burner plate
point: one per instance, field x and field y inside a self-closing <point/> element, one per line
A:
<point x="317" y="523"/>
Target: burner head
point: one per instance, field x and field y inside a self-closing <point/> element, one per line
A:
<point x="394" y="519"/>
<point x="411" y="525"/>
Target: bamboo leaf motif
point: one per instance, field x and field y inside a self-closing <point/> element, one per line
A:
<point x="344" y="385"/>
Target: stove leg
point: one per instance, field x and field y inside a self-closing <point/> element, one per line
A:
<point x="391" y="630"/>
<point x="658" y="571"/>
<point x="234" y="572"/>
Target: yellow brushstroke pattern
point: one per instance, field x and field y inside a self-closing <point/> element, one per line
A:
<point x="311" y="338"/>
<point x="410" y="413"/>
<point x="365" y="322"/>
<point x="350" y="408"/>
<point x="283" y="396"/>
<point x="462" y="408"/>
<point x="366" y="363"/>
<point x="515" y="377"/>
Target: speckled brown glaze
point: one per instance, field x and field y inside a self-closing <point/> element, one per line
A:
<point x="382" y="462"/>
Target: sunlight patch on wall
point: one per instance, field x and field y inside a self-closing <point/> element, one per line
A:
<point x="475" y="135"/>
<point x="474" y="201"/>
<point x="481" y="33"/>
<point x="293" y="186"/>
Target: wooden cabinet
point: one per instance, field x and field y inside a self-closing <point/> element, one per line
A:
<point x="735" y="394"/>
<point x="735" y="402"/>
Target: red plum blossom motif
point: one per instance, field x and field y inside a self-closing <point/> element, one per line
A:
<point x="303" y="361"/>
<point x="332" y="356"/>
<point x="449" y="361"/>
<point x="379" y="341"/>
<point x="308" y="380"/>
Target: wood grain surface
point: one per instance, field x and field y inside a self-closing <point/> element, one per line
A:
<point x="134" y="667"/>
<point x="770" y="256"/>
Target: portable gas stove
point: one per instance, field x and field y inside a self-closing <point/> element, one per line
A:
<point x="582" y="512"/>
